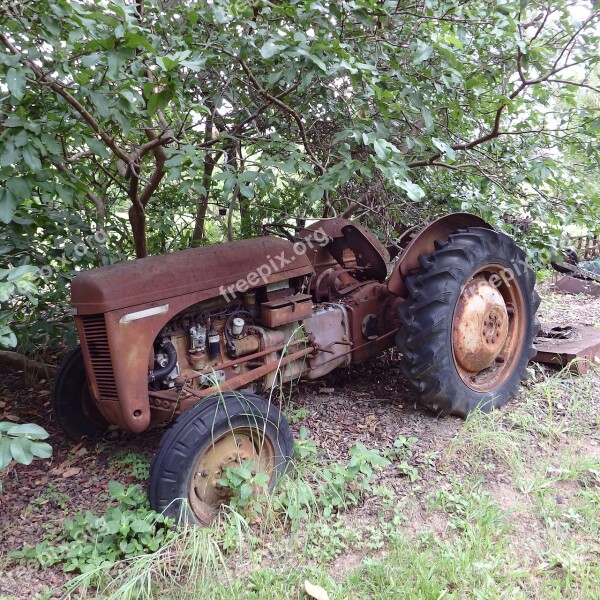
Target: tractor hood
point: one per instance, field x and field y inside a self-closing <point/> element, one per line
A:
<point x="156" y="278"/>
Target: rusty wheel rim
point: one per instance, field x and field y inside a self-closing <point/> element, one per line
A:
<point x="488" y="328"/>
<point x="206" y="494"/>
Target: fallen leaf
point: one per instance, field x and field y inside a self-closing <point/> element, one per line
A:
<point x="72" y="471"/>
<point x="315" y="591"/>
<point x="327" y="390"/>
<point x="12" y="418"/>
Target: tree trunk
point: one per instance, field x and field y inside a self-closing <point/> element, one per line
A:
<point x="199" y="238"/>
<point x="137" y="218"/>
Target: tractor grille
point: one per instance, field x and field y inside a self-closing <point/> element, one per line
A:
<point x="97" y="342"/>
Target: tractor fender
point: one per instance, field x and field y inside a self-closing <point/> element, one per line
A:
<point x="424" y="243"/>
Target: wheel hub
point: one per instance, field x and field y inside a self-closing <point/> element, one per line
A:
<point x="480" y="326"/>
<point x="207" y="494"/>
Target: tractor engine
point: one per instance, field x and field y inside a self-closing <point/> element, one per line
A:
<point x="277" y="333"/>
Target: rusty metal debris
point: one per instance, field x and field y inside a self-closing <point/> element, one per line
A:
<point x="575" y="345"/>
<point x="572" y="285"/>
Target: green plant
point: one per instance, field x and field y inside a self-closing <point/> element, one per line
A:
<point x="52" y="496"/>
<point x="316" y="489"/>
<point x="327" y="540"/>
<point x="88" y="542"/>
<point x="14" y="282"/>
<point x="402" y="452"/>
<point x="297" y="415"/>
<point x="22" y="443"/>
<point x="136" y="464"/>
<point x="248" y="488"/>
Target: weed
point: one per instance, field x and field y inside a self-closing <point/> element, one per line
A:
<point x="136" y="464"/>
<point x="248" y="488"/>
<point x="87" y="541"/>
<point x="295" y="416"/>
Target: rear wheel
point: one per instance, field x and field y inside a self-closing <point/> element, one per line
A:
<point x="224" y="430"/>
<point x="468" y="322"/>
<point x="72" y="403"/>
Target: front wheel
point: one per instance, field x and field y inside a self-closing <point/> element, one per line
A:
<point x="224" y="430"/>
<point x="72" y="402"/>
<point x="469" y="322"/>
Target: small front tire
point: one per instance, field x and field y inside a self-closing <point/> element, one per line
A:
<point x="72" y="402"/>
<point x="223" y="430"/>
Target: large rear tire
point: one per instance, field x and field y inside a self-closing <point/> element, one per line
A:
<point x="469" y="322"/>
<point x="224" y="430"/>
<point x="72" y="403"/>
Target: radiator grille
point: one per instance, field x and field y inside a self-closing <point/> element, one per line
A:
<point x="97" y="342"/>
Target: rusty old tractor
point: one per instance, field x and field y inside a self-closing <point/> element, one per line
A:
<point x="195" y="336"/>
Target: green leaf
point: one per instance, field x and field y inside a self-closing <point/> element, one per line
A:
<point x="316" y="193"/>
<point x="176" y="160"/>
<point x="8" y="205"/>
<point x="415" y="192"/>
<point x="416" y="99"/>
<point x="427" y="118"/>
<point x="115" y="488"/>
<point x="18" y="272"/>
<point x="98" y="147"/>
<point x="423" y="52"/>
<point x="159" y="101"/>
<point x="379" y="149"/>
<point x="247" y="191"/>
<point x="20" y="448"/>
<point x="141" y="526"/>
<point x="101" y="103"/>
<point x="444" y="148"/>
<point x="5" y="453"/>
<point x="245" y="491"/>
<point x="90" y="60"/>
<point x="10" y="156"/>
<point x="271" y="48"/>
<point x="15" y="80"/>
<point x="29" y="430"/>
<point x="41" y="449"/>
<point x="31" y="157"/>
<point x="20" y="187"/>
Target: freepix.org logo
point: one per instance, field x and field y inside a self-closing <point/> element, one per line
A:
<point x="274" y="264"/>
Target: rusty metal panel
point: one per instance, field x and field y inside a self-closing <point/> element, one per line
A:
<point x="286" y="310"/>
<point x="572" y="285"/>
<point x="560" y="344"/>
<point x="366" y="251"/>
<point x="251" y="263"/>
<point x="424" y="243"/>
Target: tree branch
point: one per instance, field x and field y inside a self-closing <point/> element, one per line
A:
<point x="160" y="156"/>
<point x="287" y="109"/>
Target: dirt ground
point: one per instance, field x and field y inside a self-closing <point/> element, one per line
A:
<point x="370" y="403"/>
